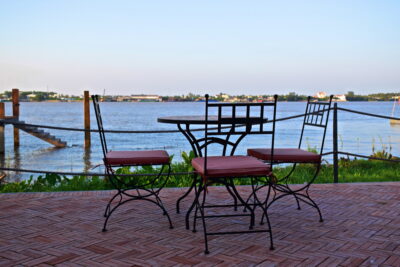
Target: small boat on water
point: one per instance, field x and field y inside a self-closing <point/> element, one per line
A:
<point x="396" y="110"/>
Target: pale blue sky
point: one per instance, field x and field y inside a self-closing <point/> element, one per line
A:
<point x="177" y="47"/>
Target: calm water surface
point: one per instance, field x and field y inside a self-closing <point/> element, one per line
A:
<point x="357" y="134"/>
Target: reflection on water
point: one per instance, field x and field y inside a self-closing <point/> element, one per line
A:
<point x="86" y="159"/>
<point x="357" y="134"/>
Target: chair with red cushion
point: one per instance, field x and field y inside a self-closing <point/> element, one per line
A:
<point x="132" y="187"/>
<point x="227" y="124"/>
<point x="316" y="116"/>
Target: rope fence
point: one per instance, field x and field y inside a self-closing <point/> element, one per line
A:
<point x="368" y="114"/>
<point x="13" y="122"/>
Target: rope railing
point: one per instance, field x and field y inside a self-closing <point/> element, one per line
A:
<point x="81" y="129"/>
<point x="368" y="114"/>
<point x="13" y="122"/>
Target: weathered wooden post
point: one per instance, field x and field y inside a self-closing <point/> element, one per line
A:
<point x="86" y="110"/>
<point x="2" y="117"/>
<point x="15" y="107"/>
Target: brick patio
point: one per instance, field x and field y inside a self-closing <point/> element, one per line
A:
<point x="362" y="227"/>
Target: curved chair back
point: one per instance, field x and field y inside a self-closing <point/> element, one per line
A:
<point x="316" y="115"/>
<point x="99" y="120"/>
<point x="237" y="119"/>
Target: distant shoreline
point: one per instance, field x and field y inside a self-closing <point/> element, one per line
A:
<point x="72" y="101"/>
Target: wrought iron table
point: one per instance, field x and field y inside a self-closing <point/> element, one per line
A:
<point x="184" y="124"/>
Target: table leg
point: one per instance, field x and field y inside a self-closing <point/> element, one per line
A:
<point x="184" y="195"/>
<point x="196" y="150"/>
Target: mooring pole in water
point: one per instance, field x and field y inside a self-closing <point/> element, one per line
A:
<point x="15" y="108"/>
<point x="86" y="110"/>
<point x="2" y="117"/>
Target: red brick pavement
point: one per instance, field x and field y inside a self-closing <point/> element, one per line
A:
<point x="361" y="227"/>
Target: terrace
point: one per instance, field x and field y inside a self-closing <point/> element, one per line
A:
<point x="361" y="227"/>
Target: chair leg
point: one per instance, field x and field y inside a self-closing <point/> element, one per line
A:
<point x="290" y="191"/>
<point x="285" y="179"/>
<point x="192" y="205"/>
<point x="300" y="197"/>
<point x="160" y="203"/>
<point x="165" y="213"/>
<point x="311" y="202"/>
<point x="201" y="208"/>
<point x="228" y="182"/>
<point x="109" y="211"/>
<point x="251" y="196"/>
<point x="247" y="201"/>
<point x="264" y="206"/>
<point x="297" y="201"/>
<point x="304" y="197"/>
<point x="109" y="203"/>
<point x="197" y="193"/>
<point x="157" y="202"/>
<point x="233" y="196"/>
<point x="265" y="214"/>
<point x="247" y="206"/>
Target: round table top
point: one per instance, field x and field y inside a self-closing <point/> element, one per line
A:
<point x="187" y="119"/>
<point x="192" y="119"/>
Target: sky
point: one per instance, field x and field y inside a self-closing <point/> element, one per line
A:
<point x="209" y="46"/>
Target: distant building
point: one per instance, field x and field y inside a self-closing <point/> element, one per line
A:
<point x="123" y="99"/>
<point x="145" y="98"/>
<point x="320" y="95"/>
<point x="137" y="98"/>
<point x="340" y="98"/>
<point x="30" y="96"/>
<point x="108" y="98"/>
<point x="224" y="96"/>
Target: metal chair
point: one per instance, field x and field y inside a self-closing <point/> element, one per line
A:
<point x="130" y="187"/>
<point x="316" y="116"/>
<point x="225" y="169"/>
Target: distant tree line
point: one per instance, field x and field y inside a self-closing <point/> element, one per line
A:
<point x="37" y="96"/>
<point x="351" y="96"/>
<point x="292" y="96"/>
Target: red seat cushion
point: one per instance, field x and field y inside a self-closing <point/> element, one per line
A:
<point x="285" y="155"/>
<point x="136" y="158"/>
<point x="232" y="166"/>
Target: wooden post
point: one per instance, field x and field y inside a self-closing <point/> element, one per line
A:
<point x="15" y="106"/>
<point x="2" y="116"/>
<point x="86" y="110"/>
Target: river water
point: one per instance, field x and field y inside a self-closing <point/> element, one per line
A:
<point x="357" y="134"/>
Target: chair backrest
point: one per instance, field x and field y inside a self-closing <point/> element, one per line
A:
<point x="316" y="115"/>
<point x="99" y="120"/>
<point x="238" y="119"/>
